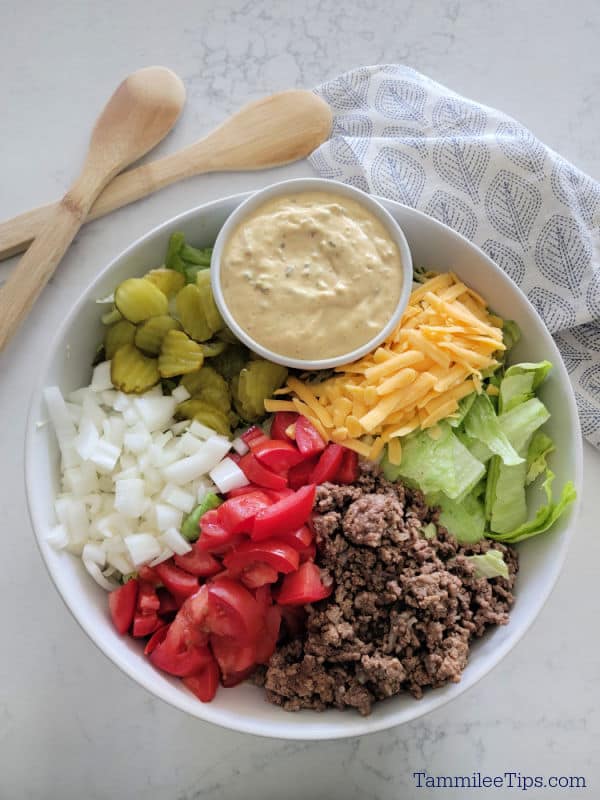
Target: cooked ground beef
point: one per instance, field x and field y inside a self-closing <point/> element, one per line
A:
<point x="404" y="607"/>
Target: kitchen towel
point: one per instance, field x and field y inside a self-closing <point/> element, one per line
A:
<point x="399" y="134"/>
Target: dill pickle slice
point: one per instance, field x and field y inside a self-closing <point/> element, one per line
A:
<point x="231" y="361"/>
<point x="256" y="382"/>
<point x="138" y="299"/>
<point x="167" y="280"/>
<point x="150" y="334"/>
<point x="122" y="332"/>
<point x="211" y="312"/>
<point x="179" y="355"/>
<point x="227" y="335"/>
<point x="205" y="413"/>
<point x="204" y="378"/>
<point x="214" y="348"/>
<point x="191" y="313"/>
<point x="133" y="372"/>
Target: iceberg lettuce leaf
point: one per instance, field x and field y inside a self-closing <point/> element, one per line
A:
<point x="482" y="425"/>
<point x="489" y="565"/>
<point x="539" y="449"/>
<point x="465" y="519"/>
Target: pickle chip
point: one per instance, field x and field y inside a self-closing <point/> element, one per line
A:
<point x="206" y="414"/>
<point x="138" y="299"/>
<point x="211" y="312"/>
<point x="122" y="332"/>
<point x="256" y="382"/>
<point x="214" y="348"/>
<point x="167" y="280"/>
<point x="150" y="334"/>
<point x="179" y="355"/>
<point x="133" y="372"/>
<point x="206" y="378"/>
<point x="191" y="313"/>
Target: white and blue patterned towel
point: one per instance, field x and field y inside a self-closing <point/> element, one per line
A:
<point x="401" y="135"/>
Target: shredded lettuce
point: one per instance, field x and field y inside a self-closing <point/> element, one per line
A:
<point x="464" y="519"/>
<point x="520" y="382"/>
<point x="489" y="565"/>
<point x="481" y="424"/>
<point x="540" y="447"/>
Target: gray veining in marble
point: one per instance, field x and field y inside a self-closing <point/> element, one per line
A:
<point x="71" y="725"/>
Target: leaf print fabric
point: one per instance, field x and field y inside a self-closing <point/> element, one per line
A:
<point x="400" y="134"/>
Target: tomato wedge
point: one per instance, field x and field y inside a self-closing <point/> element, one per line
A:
<point x="308" y="438"/>
<point x="237" y="514"/>
<point x="149" y="575"/>
<point x="303" y="586"/>
<point x="205" y="683"/>
<point x="213" y="534"/>
<point x="181" y="663"/>
<point x="300" y="539"/>
<point x="235" y="678"/>
<point x="189" y="628"/>
<point x="168" y="603"/>
<point x="281" y="421"/>
<point x="180" y="583"/>
<point x="348" y="471"/>
<point x="199" y="563"/>
<point x="122" y="603"/>
<point x="255" y="576"/>
<point x="277" y="554"/>
<point x="328" y="464"/>
<point x="277" y="455"/>
<point x="232" y="611"/>
<point x="254" y="434"/>
<point x="299" y="475"/>
<point x="286" y="515"/>
<point x="145" y="624"/>
<point x="267" y="639"/>
<point x="156" y="638"/>
<point x="257" y="473"/>
<point x="232" y="657"/>
<point x="147" y="599"/>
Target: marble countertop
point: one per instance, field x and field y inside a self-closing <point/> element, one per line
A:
<point x="71" y="724"/>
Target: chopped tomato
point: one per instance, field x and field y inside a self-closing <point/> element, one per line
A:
<point x="278" y="455"/>
<point x="234" y="678"/>
<point x="232" y="656"/>
<point x="348" y="471"/>
<point x="308" y="438"/>
<point x="147" y="599"/>
<point x="303" y="586"/>
<point x="183" y="662"/>
<point x="232" y="611"/>
<point x="168" y="603"/>
<point x="257" y="473"/>
<point x="281" y="422"/>
<point x="277" y="554"/>
<point x="237" y="514"/>
<point x="328" y="464"/>
<point x="299" y="475"/>
<point x="198" y="562"/>
<point x="263" y="596"/>
<point x="308" y="553"/>
<point x="205" y="683"/>
<point x="213" y="534"/>
<point x="149" y="575"/>
<point x="254" y="434"/>
<point x="156" y="638"/>
<point x="180" y="583"/>
<point x="287" y="514"/>
<point x="243" y="490"/>
<point x="267" y="639"/>
<point x="257" y="575"/>
<point x="145" y="624"/>
<point x="189" y="628"/>
<point x="299" y="539"/>
<point x="122" y="603"/>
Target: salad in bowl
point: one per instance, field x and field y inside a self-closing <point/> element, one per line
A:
<point x="344" y="538"/>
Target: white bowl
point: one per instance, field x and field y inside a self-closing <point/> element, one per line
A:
<point x="294" y="186"/>
<point x="66" y="363"/>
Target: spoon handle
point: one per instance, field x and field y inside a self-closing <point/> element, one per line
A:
<point x="269" y="132"/>
<point x="36" y="267"/>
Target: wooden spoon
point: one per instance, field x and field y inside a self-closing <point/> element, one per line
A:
<point x="276" y="130"/>
<point x="140" y="113"/>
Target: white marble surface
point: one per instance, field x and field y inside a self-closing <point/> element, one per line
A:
<point x="71" y="725"/>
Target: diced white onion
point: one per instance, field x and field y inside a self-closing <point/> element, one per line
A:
<point x="97" y="575"/>
<point x="137" y="438"/>
<point x="64" y="427"/>
<point x="101" y="377"/>
<point x="165" y="555"/>
<point x="121" y="402"/>
<point x="240" y="446"/>
<point x="190" y="444"/>
<point x="105" y="456"/>
<point x="95" y="553"/>
<point x="87" y="440"/>
<point x="192" y="467"/>
<point x="178" y="498"/>
<point x="142" y="547"/>
<point x="155" y="412"/>
<point x="180" y="394"/>
<point x="173" y="539"/>
<point x="131" y="416"/>
<point x="200" y="430"/>
<point x="180" y="427"/>
<point x="167" y="516"/>
<point x="227" y="476"/>
<point x="130" y="498"/>
<point x="58" y="537"/>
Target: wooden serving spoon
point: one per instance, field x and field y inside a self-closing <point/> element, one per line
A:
<point x="140" y="113"/>
<point x="275" y="130"/>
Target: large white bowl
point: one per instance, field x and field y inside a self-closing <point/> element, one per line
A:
<point x="67" y="364"/>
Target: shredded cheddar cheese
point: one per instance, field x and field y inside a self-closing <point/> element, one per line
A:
<point x="433" y="359"/>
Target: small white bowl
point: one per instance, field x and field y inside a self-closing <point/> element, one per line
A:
<point x="66" y="363"/>
<point x="296" y="186"/>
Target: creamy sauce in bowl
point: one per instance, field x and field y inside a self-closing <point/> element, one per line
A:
<point x="311" y="275"/>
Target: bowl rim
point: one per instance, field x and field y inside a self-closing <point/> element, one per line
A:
<point x="297" y="186"/>
<point x="346" y="726"/>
